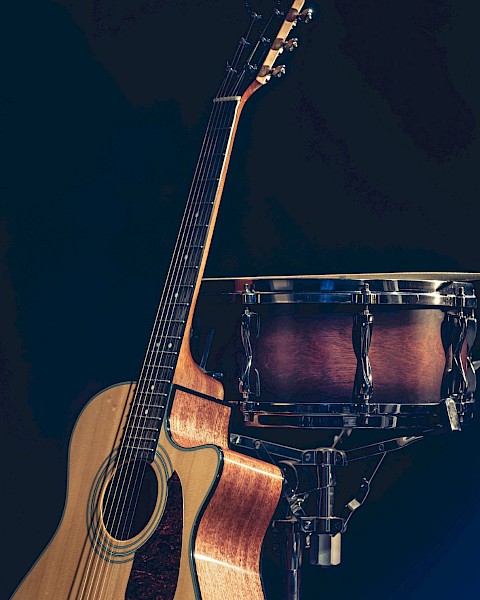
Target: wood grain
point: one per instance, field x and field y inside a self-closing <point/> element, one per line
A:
<point x="155" y="566"/>
<point x="232" y="529"/>
<point x="70" y="567"/>
<point x="305" y="354"/>
<point x="230" y="532"/>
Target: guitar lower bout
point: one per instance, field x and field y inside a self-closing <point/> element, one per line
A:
<point x="99" y="552"/>
<point x="92" y="552"/>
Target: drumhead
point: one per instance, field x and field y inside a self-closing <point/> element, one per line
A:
<point x="446" y="289"/>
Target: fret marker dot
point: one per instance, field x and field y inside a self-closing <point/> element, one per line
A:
<point x="196" y="215"/>
<point x="185" y="257"/>
<point x="176" y="295"/>
<point x="170" y="344"/>
<point x="146" y="411"/>
<point x="152" y="387"/>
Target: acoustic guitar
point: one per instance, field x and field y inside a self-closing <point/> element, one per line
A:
<point x="135" y="447"/>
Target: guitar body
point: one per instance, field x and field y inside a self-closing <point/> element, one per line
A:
<point x="228" y="502"/>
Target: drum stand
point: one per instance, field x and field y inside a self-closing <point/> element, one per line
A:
<point x="309" y="523"/>
<point x="310" y="476"/>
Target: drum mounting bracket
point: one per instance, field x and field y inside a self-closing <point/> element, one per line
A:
<point x="309" y="491"/>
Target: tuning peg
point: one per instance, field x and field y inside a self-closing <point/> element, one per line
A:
<point x="305" y="16"/>
<point x="278" y="71"/>
<point x="275" y="72"/>
<point x="290" y="45"/>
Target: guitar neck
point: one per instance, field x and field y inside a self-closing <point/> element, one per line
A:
<point x="184" y="276"/>
<point x="196" y="230"/>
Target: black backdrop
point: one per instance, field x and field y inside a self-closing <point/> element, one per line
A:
<point x="362" y="159"/>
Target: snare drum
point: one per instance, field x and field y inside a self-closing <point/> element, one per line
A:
<point x="343" y="351"/>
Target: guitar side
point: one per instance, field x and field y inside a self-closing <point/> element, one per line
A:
<point x="82" y="561"/>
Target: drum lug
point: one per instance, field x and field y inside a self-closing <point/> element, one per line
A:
<point x="361" y="339"/>
<point x="459" y="332"/>
<point x="460" y="298"/>
<point x="249" y="321"/>
<point x="470" y="339"/>
<point x="249" y="295"/>
<point x="365" y="296"/>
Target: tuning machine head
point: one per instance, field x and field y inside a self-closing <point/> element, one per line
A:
<point x="305" y="16"/>
<point x="278" y="71"/>
<point x="300" y="17"/>
<point x="289" y="45"/>
<point x="280" y="43"/>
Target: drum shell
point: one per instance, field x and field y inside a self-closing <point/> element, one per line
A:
<point x="311" y="358"/>
<point x="304" y="350"/>
<point x="305" y="353"/>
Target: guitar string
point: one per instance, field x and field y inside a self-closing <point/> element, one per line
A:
<point x="201" y="214"/>
<point x="132" y="446"/>
<point x="150" y="353"/>
<point x="217" y="170"/>
<point x="220" y="170"/>
<point x="187" y="243"/>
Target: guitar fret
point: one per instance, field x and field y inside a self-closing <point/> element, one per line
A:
<point x="177" y="303"/>
<point x="143" y="427"/>
<point x="146" y="403"/>
<point x="152" y="405"/>
<point x="177" y="327"/>
<point x="144" y="423"/>
<point x="141" y="437"/>
<point x="142" y="416"/>
<point x="141" y="448"/>
<point x="160" y="366"/>
<point x="151" y="391"/>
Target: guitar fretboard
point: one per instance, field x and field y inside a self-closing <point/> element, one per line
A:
<point x="153" y="387"/>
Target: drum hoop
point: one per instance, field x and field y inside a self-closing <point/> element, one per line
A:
<point x="324" y="290"/>
<point x="379" y="299"/>
<point x="349" y="415"/>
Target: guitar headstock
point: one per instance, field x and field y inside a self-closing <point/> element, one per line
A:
<point x="254" y="63"/>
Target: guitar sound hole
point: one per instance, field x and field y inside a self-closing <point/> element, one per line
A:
<point x="130" y="499"/>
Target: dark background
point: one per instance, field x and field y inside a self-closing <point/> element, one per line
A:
<point x="364" y="158"/>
